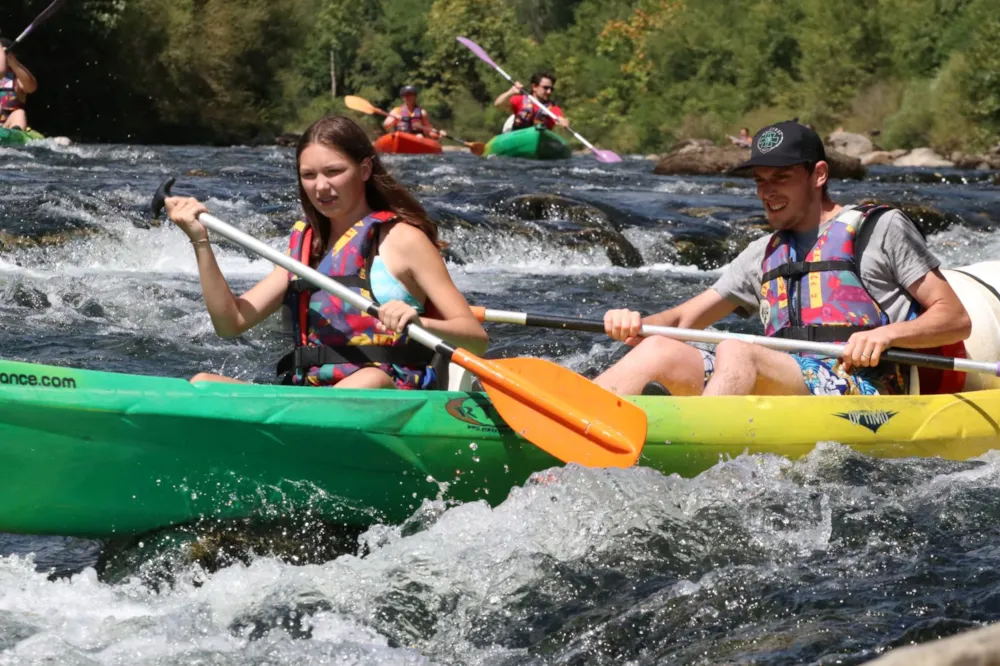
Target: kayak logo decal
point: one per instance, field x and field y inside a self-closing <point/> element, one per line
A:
<point x="477" y="412"/>
<point x="873" y="419"/>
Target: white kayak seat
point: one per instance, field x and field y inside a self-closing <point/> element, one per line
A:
<point x="459" y="379"/>
<point x="508" y="124"/>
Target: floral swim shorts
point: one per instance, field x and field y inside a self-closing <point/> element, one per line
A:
<point x="826" y="376"/>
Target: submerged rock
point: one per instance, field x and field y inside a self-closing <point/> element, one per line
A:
<point x="576" y="222"/>
<point x="10" y="241"/>
<point x="977" y="647"/>
<point x="929" y="220"/>
<point x="27" y="297"/>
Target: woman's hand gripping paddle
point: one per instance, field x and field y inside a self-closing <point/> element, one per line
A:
<point x="557" y="410"/>
<point x="361" y="105"/>
<point x="606" y="156"/>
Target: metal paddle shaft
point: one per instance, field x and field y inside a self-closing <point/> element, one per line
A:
<point x="610" y="433"/>
<point x="46" y="13"/>
<point x="715" y="337"/>
<point x="607" y="156"/>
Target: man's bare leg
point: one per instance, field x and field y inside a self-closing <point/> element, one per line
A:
<point x="745" y="369"/>
<point x="678" y="366"/>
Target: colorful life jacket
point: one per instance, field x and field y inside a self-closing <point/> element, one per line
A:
<point x="8" y="94"/>
<point x="529" y="114"/>
<point x="823" y="298"/>
<point x="333" y="339"/>
<point x="411" y="122"/>
<point x="819" y="297"/>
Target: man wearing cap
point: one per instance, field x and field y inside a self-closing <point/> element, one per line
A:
<point x="859" y="275"/>
<point x="409" y="117"/>
<point x="16" y="83"/>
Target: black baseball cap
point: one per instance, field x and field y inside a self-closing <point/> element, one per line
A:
<point x="784" y="144"/>
<point x="407" y="90"/>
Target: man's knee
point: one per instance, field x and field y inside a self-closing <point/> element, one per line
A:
<point x="735" y="351"/>
<point x="659" y="347"/>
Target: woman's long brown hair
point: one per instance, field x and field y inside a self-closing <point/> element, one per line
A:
<point x="382" y="191"/>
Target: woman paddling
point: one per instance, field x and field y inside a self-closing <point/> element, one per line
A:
<point x="366" y="230"/>
<point x="16" y="83"/>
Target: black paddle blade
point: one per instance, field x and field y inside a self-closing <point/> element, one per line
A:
<point x="160" y="198"/>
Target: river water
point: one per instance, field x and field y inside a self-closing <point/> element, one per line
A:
<point x="834" y="558"/>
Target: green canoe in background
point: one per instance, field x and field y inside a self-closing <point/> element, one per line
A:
<point x="534" y="143"/>
<point x="16" y="137"/>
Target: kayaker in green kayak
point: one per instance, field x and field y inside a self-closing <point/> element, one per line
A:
<point x="409" y="117"/>
<point x="16" y="83"/>
<point x="525" y="113"/>
<point x="363" y="228"/>
<point x="860" y="275"/>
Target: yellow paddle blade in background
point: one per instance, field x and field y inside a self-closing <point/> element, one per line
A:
<point x="362" y="105"/>
<point x="563" y="413"/>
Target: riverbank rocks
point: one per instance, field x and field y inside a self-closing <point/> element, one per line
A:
<point x="287" y="140"/>
<point x="848" y="143"/>
<point x="707" y="159"/>
<point x="922" y="157"/>
<point x="977" y="647"/>
<point x="700" y="160"/>
<point x="878" y="158"/>
<point x="573" y="222"/>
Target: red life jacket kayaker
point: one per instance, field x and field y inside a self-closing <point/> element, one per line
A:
<point x="527" y="114"/>
<point x="822" y="298"/>
<point x="333" y="339"/>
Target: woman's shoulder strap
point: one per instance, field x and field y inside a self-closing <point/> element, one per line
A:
<point x="381" y="217"/>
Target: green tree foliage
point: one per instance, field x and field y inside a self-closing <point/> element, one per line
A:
<point x="633" y="75"/>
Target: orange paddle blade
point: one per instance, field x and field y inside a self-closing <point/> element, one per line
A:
<point x="560" y="412"/>
<point x="476" y="147"/>
<point x="362" y="105"/>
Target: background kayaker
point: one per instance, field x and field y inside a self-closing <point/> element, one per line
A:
<point x="744" y="140"/>
<point x="526" y="114"/>
<point x="901" y="299"/>
<point x="16" y="83"/>
<point x="409" y="117"/>
<point x="363" y="228"/>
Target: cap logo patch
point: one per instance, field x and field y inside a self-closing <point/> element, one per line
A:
<point x="770" y="139"/>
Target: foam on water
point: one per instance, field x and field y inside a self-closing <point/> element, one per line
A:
<point x="598" y="550"/>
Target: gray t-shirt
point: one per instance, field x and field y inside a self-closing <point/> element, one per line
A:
<point x="894" y="257"/>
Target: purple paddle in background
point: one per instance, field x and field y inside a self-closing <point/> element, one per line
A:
<point x="606" y="156"/>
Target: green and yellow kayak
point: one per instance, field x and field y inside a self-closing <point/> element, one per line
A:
<point x="99" y="454"/>
<point x="534" y="143"/>
<point x="17" y="137"/>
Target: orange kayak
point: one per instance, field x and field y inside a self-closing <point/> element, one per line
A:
<point x="401" y="142"/>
